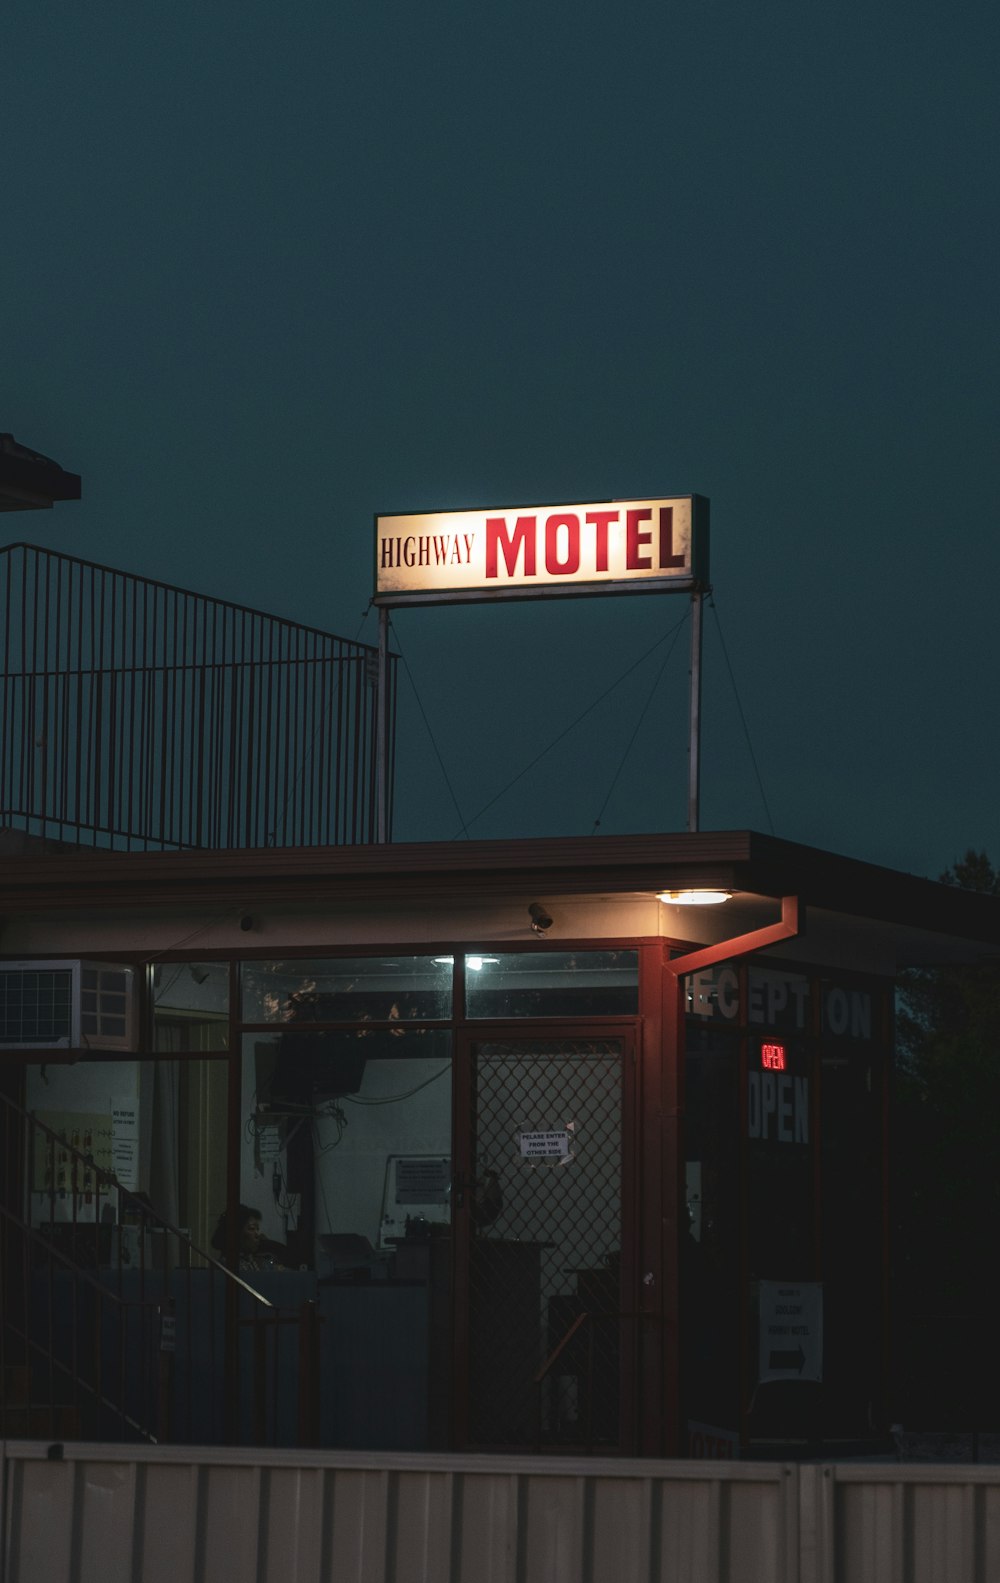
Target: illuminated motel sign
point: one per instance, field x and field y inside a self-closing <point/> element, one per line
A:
<point x="523" y="552"/>
<point x="541" y="552"/>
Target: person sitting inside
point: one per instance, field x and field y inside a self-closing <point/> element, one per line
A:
<point x="254" y="1251"/>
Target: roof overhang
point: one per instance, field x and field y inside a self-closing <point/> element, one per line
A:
<point x="30" y="481"/>
<point x="904" y="918"/>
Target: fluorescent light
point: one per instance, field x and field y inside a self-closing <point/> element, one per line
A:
<point x="694" y="898"/>
<point x="475" y="963"/>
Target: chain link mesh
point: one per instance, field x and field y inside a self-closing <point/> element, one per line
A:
<point x="546" y="1250"/>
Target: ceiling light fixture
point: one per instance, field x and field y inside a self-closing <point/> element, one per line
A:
<point x="476" y="963"/>
<point x="694" y="898"/>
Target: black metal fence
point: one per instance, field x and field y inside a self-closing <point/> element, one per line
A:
<point x="140" y="716"/>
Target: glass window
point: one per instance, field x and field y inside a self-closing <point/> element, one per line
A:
<point x="104" y="1002"/>
<point x="779" y="1168"/>
<point x="351" y="989"/>
<point x="552" y="984"/>
<point x="347" y="1149"/>
<point x="160" y="1126"/>
<point x="299" y="1072"/>
<point x="710" y="1240"/>
<point x="356" y="1187"/>
<point x="190" y="1006"/>
<point x="851" y="1143"/>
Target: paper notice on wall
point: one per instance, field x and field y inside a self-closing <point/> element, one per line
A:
<point x="268" y="1143"/>
<point x="422" y="1180"/>
<point x="125" y="1142"/>
<point x="791" y="1330"/>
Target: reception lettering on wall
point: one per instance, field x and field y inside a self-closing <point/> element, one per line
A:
<point x="780" y="1001"/>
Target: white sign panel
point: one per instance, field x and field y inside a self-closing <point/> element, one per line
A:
<point x="791" y="1331"/>
<point x="269" y="1143"/>
<point x="525" y="551"/>
<point x="422" y="1181"/>
<point x="544" y="1145"/>
<point x="125" y="1142"/>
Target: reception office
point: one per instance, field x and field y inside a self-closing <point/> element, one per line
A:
<point x="561" y="1153"/>
<point x="324" y="1140"/>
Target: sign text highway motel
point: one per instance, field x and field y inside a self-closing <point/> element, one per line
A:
<point x="520" y="552"/>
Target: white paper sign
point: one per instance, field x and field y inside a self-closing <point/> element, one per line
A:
<point x="269" y="1143"/>
<point x="544" y="1145"/>
<point x="791" y="1331"/>
<point x="422" y="1181"/>
<point x="125" y="1142"/>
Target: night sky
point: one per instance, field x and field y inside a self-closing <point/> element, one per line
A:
<point x="268" y="269"/>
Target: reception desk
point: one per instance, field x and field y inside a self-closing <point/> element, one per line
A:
<point x="140" y="1380"/>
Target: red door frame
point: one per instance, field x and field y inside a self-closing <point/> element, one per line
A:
<point x="674" y="1198"/>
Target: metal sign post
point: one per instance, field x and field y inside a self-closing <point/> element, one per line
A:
<point x="382" y="731"/>
<point x="541" y="552"/>
<point x="694" y="741"/>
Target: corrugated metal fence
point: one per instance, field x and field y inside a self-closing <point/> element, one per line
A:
<point x="105" y="1514"/>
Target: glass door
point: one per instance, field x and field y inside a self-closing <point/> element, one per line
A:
<point x="542" y="1334"/>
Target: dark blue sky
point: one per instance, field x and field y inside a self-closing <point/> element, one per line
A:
<point x="266" y="270"/>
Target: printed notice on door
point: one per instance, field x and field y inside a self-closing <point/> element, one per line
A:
<point x="791" y="1330"/>
<point x="544" y="1145"/>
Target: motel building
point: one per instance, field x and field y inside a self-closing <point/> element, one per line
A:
<point x="554" y="1145"/>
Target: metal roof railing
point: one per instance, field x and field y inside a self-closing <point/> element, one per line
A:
<point x="136" y="715"/>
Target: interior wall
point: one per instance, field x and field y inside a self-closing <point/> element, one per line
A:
<point x="402" y="1108"/>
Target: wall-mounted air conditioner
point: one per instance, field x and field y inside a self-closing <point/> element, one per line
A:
<point x="67" y="1005"/>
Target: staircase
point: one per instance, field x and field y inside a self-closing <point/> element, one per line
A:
<point x="20" y="1419"/>
<point x="115" y="1327"/>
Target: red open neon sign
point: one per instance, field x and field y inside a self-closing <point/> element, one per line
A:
<point x="772" y="1056"/>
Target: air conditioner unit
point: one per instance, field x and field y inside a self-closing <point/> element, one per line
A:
<point x="67" y="1005"/>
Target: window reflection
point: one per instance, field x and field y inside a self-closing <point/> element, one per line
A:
<point x="358" y="989"/>
<point x="156" y="1128"/>
<point x="552" y="984"/>
<point x="347" y="1145"/>
<point x="190" y="1005"/>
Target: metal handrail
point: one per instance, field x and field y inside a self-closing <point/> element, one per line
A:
<point x="581" y="1319"/>
<point x="146" y="1212"/>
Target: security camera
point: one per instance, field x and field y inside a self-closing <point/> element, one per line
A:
<point x="540" y="919"/>
<point x="246" y="923"/>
